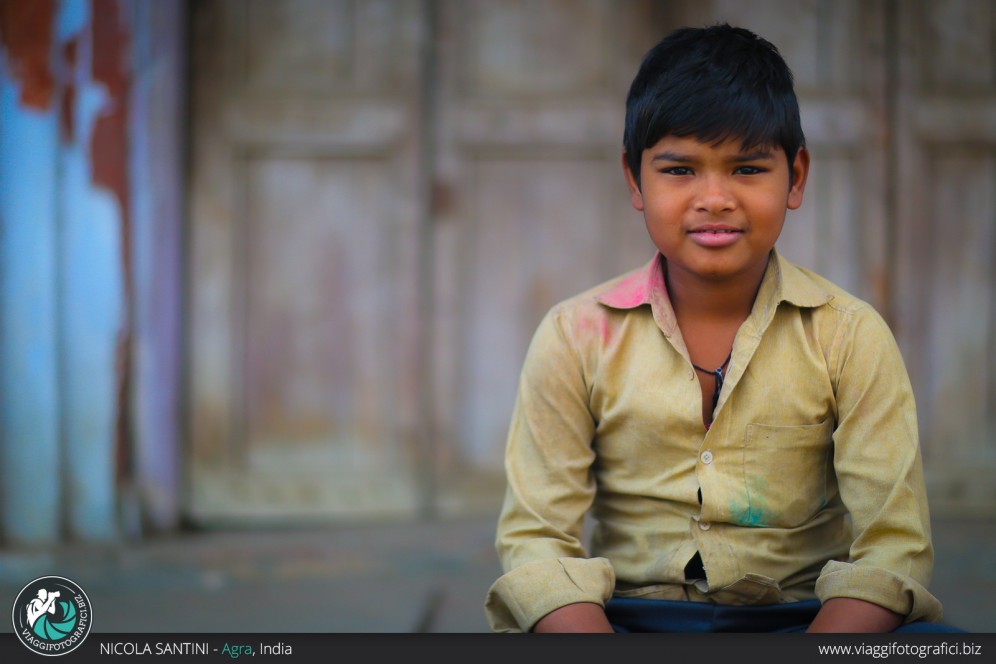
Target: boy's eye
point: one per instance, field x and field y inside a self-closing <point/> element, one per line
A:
<point x="748" y="170"/>
<point x="677" y="170"/>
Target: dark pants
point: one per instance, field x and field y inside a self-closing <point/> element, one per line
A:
<point x="658" y="615"/>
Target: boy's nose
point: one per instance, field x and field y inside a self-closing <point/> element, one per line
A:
<point x="714" y="196"/>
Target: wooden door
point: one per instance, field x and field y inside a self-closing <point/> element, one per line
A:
<point x="346" y="358"/>
<point x="946" y="242"/>
<point x="532" y="208"/>
<point x="303" y="265"/>
<point x="387" y="196"/>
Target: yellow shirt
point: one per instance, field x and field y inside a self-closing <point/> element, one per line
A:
<point x="810" y="474"/>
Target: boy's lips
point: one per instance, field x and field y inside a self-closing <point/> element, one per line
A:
<point x="715" y="235"/>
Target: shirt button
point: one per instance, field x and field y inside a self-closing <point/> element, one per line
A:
<point x="706" y="457"/>
<point x="705" y="525"/>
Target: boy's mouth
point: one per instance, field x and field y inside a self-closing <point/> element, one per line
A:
<point x="715" y="236"/>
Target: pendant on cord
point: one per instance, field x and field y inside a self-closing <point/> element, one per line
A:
<point x="718" y="373"/>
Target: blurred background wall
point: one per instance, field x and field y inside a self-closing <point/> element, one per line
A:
<point x="271" y="262"/>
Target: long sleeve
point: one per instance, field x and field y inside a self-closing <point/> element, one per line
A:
<point x="879" y="472"/>
<point x="548" y="465"/>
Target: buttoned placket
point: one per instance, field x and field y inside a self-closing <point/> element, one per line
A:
<point x="664" y="316"/>
<point x="745" y="344"/>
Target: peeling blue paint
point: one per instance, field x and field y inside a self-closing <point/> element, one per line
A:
<point x="72" y="19"/>
<point x="92" y="307"/>
<point x="64" y="312"/>
<point x="29" y="400"/>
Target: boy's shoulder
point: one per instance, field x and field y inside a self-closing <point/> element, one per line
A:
<point x="845" y="319"/>
<point x="626" y="291"/>
<point x="795" y="278"/>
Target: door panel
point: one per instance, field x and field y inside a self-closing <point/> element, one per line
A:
<point x="304" y="238"/>
<point x="318" y="354"/>
<point x="946" y="243"/>
<point x="531" y="106"/>
<point x="523" y="254"/>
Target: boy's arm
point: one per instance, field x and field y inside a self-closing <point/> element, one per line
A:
<point x="877" y="462"/>
<point x="551" y="485"/>
<point x="844" y="614"/>
<point x="582" y="617"/>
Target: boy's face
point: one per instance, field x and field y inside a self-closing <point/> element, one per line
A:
<point x="715" y="211"/>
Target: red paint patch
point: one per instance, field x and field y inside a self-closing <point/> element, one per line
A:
<point x="109" y="141"/>
<point x="109" y="162"/>
<point x="67" y="110"/>
<point x="26" y="34"/>
<point x="67" y="104"/>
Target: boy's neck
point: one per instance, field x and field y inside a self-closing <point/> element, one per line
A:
<point x="718" y="301"/>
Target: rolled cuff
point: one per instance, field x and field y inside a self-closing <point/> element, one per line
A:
<point x="520" y="598"/>
<point x="897" y="593"/>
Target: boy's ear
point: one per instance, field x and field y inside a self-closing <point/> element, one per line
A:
<point x="635" y="195"/>
<point x="800" y="171"/>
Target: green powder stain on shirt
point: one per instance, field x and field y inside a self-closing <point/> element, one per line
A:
<point x="751" y="514"/>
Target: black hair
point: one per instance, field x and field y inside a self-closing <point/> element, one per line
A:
<point x="712" y="83"/>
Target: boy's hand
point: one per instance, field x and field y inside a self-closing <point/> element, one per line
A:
<point x="845" y="614"/>
<point x="582" y="617"/>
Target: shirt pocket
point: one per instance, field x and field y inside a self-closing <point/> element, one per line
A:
<point x="785" y="473"/>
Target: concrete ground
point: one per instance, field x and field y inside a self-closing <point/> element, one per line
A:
<point x="428" y="577"/>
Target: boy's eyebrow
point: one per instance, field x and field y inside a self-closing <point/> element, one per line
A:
<point x="671" y="156"/>
<point x="756" y="155"/>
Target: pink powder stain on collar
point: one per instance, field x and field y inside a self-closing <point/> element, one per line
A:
<point x="629" y="293"/>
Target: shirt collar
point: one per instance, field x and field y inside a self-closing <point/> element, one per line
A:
<point x="636" y="288"/>
<point x="782" y="282"/>
<point x="642" y="286"/>
<point x="796" y="285"/>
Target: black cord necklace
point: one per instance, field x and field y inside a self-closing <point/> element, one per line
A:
<point x="718" y="373"/>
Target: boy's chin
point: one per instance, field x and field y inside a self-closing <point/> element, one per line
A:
<point x="719" y="269"/>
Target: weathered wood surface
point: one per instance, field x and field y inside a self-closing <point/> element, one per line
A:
<point x="387" y="196"/>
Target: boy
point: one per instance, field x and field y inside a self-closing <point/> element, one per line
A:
<point x="742" y="431"/>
